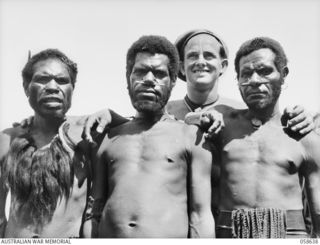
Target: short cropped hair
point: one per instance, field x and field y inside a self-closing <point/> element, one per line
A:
<point x="183" y="40"/>
<point x="260" y="43"/>
<point x="154" y="45"/>
<point x="28" y="71"/>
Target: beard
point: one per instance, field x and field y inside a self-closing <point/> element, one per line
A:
<point x="150" y="106"/>
<point x="37" y="178"/>
<point x="267" y="103"/>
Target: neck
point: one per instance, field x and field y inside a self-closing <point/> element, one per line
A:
<point x="150" y="116"/>
<point x="202" y="96"/>
<point x="44" y="129"/>
<point x="268" y="114"/>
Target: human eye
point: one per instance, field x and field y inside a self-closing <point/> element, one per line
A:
<point x="160" y="74"/>
<point x="265" y="71"/>
<point x="62" y="80"/>
<point x="245" y="74"/>
<point x="209" y="55"/>
<point x="192" y="55"/>
<point x="139" y="72"/>
<point x="41" y="79"/>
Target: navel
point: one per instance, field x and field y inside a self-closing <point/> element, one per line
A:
<point x="169" y="159"/>
<point x="132" y="224"/>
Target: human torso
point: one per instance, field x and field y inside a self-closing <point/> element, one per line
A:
<point x="147" y="178"/>
<point x="65" y="222"/>
<point x="67" y="216"/>
<point x="259" y="167"/>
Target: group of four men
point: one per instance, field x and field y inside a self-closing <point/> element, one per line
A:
<point x="154" y="175"/>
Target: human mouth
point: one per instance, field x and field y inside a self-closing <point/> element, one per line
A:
<point x="200" y="71"/>
<point x="51" y="101"/>
<point x="258" y="95"/>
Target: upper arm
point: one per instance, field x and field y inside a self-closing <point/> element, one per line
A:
<point x="201" y="164"/>
<point x="201" y="218"/>
<point x="99" y="180"/>
<point x="311" y="172"/>
<point x="4" y="145"/>
<point x="4" y="148"/>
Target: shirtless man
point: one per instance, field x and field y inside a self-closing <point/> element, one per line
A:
<point x="204" y="59"/>
<point x="152" y="174"/>
<point x="48" y="190"/>
<point x="262" y="163"/>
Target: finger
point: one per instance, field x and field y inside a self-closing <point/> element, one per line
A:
<point x="205" y="121"/>
<point x="212" y="134"/>
<point x="297" y="119"/>
<point x="101" y="125"/>
<point x="288" y="110"/>
<point x="306" y="130"/>
<point x="15" y="124"/>
<point x="87" y="130"/>
<point x="297" y="110"/>
<point x="24" y="123"/>
<point x="302" y="125"/>
<point x="214" y="126"/>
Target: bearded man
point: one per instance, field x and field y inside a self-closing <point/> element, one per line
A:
<point x="152" y="175"/>
<point x="263" y="164"/>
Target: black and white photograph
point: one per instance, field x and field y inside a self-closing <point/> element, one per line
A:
<point x="159" y="119"/>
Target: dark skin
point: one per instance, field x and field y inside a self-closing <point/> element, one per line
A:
<point x="49" y="92"/>
<point x="274" y="159"/>
<point x="151" y="176"/>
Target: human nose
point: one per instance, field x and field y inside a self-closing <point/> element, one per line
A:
<point x="149" y="79"/>
<point x="201" y="60"/>
<point x="52" y="86"/>
<point x="254" y="80"/>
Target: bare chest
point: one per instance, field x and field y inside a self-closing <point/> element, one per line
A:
<point x="151" y="150"/>
<point x="268" y="146"/>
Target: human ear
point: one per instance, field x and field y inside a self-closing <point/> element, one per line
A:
<point x="224" y="65"/>
<point x="285" y="71"/>
<point x="26" y="90"/>
<point x="181" y="68"/>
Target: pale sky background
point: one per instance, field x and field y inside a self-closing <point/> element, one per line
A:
<point x="97" y="33"/>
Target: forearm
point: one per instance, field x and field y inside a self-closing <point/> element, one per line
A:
<point x="3" y="223"/>
<point x="201" y="225"/>
<point x="92" y="218"/>
<point x="3" y="198"/>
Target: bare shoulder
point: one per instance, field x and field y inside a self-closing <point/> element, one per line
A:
<point x="77" y="120"/>
<point x="177" y="108"/>
<point x="311" y="142"/>
<point x="234" y="104"/>
<point x="172" y="104"/>
<point x="193" y="134"/>
<point x="7" y="136"/>
<point x="231" y="114"/>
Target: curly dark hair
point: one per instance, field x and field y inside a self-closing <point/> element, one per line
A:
<point x="155" y="45"/>
<point x="28" y="71"/>
<point x="260" y="43"/>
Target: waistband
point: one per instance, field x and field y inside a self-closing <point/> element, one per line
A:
<point x="294" y="222"/>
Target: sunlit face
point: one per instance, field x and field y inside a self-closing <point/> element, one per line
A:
<point x="202" y="63"/>
<point x="150" y="84"/>
<point x="259" y="79"/>
<point x="50" y="90"/>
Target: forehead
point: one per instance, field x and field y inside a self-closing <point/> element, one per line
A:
<point x="203" y="41"/>
<point x="50" y="66"/>
<point x="154" y="60"/>
<point x="260" y="57"/>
